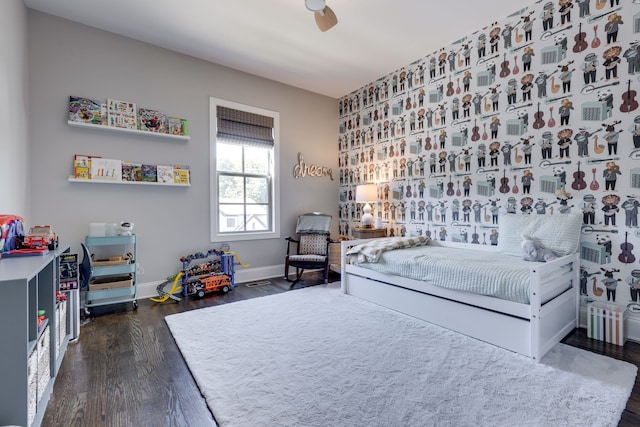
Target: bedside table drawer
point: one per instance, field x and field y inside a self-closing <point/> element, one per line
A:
<point x="369" y="233"/>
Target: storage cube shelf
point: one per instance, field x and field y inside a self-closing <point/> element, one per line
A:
<point x="31" y="353"/>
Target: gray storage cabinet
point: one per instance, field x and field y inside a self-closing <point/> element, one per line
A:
<point x="31" y="354"/>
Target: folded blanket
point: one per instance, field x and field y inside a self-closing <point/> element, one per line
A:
<point x="370" y="251"/>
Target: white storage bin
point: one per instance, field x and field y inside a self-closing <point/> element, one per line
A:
<point x="44" y="358"/>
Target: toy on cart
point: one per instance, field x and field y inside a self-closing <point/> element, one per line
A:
<point x="200" y="279"/>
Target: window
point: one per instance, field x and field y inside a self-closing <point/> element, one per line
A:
<point x="244" y="185"/>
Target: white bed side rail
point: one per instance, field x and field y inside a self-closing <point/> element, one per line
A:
<point x="554" y="302"/>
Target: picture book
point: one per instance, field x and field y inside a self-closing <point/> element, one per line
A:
<point x="87" y="110"/>
<point x="121" y="114"/>
<point x="106" y="169"/>
<point x="177" y="126"/>
<point x="165" y="174"/>
<point x="181" y="174"/>
<point x="68" y="271"/>
<point x="131" y="171"/>
<point x="81" y="166"/>
<point x="127" y="171"/>
<point x="152" y="120"/>
<point x="149" y="173"/>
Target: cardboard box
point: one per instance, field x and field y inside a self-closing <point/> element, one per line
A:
<point x="114" y="260"/>
<point x="104" y="283"/>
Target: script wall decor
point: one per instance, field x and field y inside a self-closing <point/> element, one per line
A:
<point x="535" y="114"/>
<point x="303" y="169"/>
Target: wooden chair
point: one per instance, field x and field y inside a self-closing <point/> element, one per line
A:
<point x="312" y="246"/>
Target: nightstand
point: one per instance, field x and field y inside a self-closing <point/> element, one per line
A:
<point x="369" y="233"/>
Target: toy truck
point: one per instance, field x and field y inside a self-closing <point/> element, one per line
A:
<point x="215" y="282"/>
<point x="39" y="237"/>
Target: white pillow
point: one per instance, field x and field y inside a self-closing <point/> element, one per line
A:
<point x="559" y="232"/>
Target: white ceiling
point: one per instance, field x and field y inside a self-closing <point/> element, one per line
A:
<point x="279" y="40"/>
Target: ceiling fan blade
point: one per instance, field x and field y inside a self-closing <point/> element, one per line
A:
<point x="325" y="19"/>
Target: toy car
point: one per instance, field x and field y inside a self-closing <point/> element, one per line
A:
<point x="39" y="237"/>
<point x="216" y="282"/>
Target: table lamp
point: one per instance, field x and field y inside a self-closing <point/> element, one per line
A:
<point x="364" y="194"/>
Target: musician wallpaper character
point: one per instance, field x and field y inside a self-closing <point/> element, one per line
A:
<point x="535" y="114"/>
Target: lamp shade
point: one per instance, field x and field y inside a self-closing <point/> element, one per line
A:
<point x="366" y="193"/>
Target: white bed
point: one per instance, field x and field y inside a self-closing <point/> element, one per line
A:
<point x="530" y="327"/>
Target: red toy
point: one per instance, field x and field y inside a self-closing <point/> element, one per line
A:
<point x="39" y="237"/>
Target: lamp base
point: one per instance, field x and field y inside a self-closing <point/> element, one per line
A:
<point x="367" y="219"/>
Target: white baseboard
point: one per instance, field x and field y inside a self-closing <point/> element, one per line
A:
<point x="148" y="289"/>
<point x="632" y="324"/>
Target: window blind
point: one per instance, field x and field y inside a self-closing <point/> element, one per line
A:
<point x="241" y="127"/>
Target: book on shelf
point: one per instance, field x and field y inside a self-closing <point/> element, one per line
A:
<point x="181" y="174"/>
<point x="121" y="114"/>
<point x="165" y="174"/>
<point x="106" y="169"/>
<point x="86" y="110"/>
<point x="68" y="271"/>
<point x="82" y="166"/>
<point x="177" y="126"/>
<point x="131" y="171"/>
<point x="149" y="173"/>
<point x="152" y="120"/>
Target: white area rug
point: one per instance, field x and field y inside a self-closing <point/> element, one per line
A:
<point x="316" y="357"/>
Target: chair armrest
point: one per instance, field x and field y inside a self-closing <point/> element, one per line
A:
<point x="290" y="240"/>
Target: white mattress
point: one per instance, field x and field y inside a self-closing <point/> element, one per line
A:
<point x="482" y="272"/>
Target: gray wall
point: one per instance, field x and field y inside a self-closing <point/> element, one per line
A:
<point x="67" y="58"/>
<point x="14" y="146"/>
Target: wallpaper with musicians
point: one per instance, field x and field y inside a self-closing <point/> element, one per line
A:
<point x="536" y="114"/>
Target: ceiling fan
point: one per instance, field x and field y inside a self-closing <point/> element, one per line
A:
<point x="325" y="18"/>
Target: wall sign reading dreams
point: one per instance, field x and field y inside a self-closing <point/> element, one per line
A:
<point x="302" y="169"/>
<point x="536" y="114"/>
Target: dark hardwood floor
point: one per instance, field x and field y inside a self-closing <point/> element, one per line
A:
<point x="126" y="370"/>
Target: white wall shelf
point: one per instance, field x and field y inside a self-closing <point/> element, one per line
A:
<point x="182" y="138"/>
<point x="106" y="181"/>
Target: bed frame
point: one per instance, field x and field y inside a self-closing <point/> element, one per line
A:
<point x="530" y="330"/>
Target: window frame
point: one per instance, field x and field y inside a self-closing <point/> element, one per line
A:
<point x="215" y="234"/>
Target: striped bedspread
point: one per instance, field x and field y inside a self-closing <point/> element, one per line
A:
<point x="477" y="271"/>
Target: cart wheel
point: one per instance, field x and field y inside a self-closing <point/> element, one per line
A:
<point x="225" y="289"/>
<point x="135" y="305"/>
<point x="200" y="293"/>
